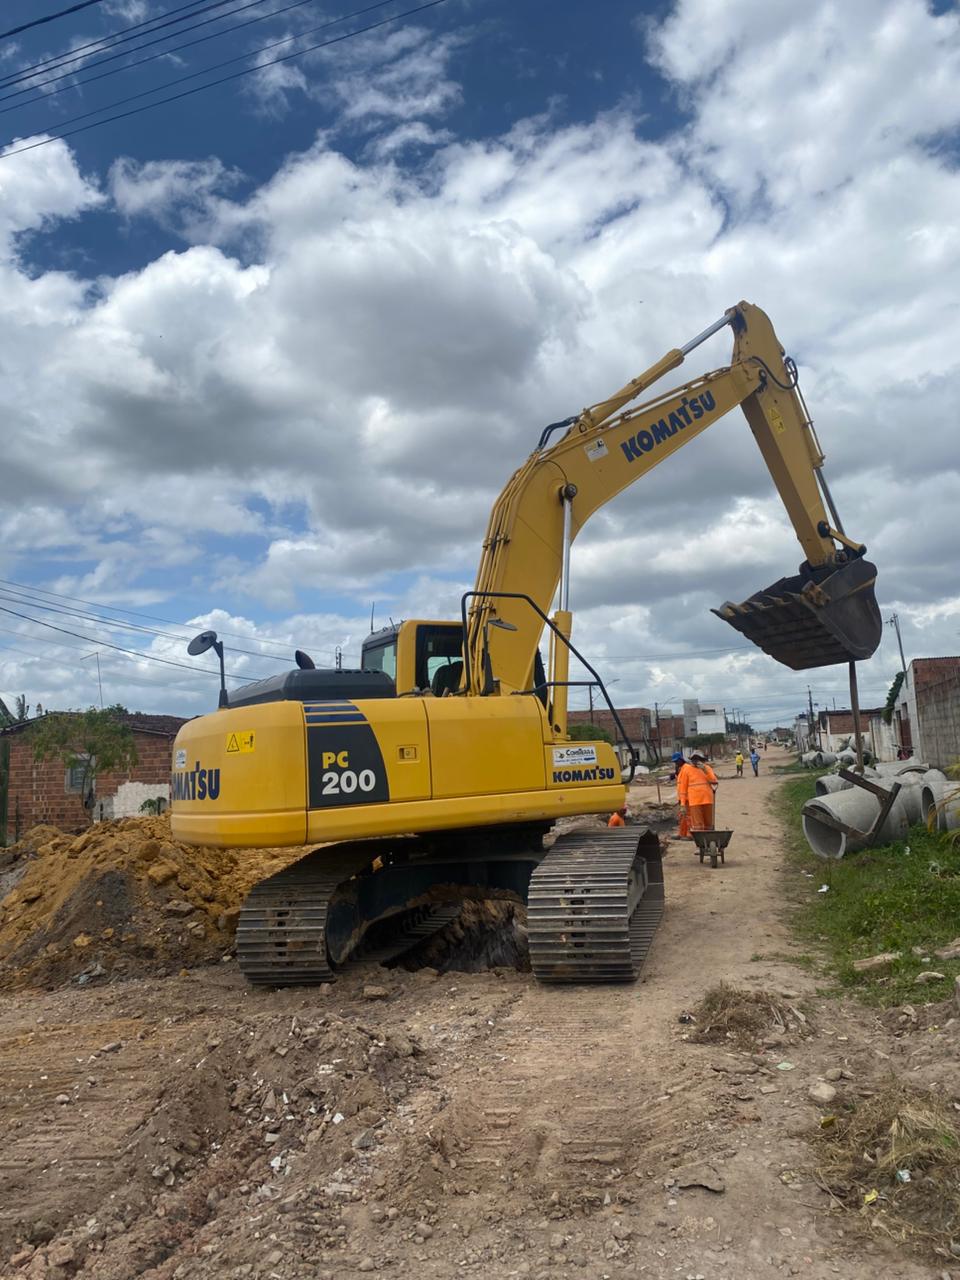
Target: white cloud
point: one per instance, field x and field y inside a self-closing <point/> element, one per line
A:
<point x="176" y="193"/>
<point x="40" y="187"/>
<point x="348" y="364"/>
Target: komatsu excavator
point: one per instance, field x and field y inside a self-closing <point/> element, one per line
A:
<point x="433" y="773"/>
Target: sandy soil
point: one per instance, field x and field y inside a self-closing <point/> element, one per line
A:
<point x="438" y="1125"/>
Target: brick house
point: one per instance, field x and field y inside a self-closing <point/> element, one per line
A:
<point x="926" y="715"/>
<point x="45" y="791"/>
<point x="636" y="721"/>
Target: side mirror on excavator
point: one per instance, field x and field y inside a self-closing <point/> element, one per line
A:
<point x="489" y="684"/>
<point x="200" y="644"/>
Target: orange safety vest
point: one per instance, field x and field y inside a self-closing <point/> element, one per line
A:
<point x="693" y="784"/>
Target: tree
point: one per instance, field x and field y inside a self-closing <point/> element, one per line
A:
<point x="589" y="733"/>
<point x="20" y="713"/>
<point x="891" y="702"/>
<point x="93" y="741"/>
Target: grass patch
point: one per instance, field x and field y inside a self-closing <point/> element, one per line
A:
<point x="895" y="1160"/>
<point x="892" y="898"/>
<point x="727" y="1015"/>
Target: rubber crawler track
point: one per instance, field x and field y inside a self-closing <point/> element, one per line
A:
<point x="595" y="902"/>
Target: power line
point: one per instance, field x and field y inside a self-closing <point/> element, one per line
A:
<point x="24" y="598"/>
<point x="76" y="83"/>
<point x="215" y="66"/>
<point x="60" y="59"/>
<point x="51" y="17"/>
<point x="135" y="653"/>
<point x="151" y="617"/>
<point x="235" y="75"/>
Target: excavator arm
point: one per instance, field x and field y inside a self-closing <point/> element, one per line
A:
<point x="825" y="614"/>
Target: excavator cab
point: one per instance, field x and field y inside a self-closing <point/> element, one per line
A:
<point x="816" y="618"/>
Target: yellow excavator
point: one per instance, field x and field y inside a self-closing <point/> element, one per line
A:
<point x="432" y="774"/>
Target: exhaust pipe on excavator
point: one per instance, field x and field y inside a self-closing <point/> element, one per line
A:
<point x="816" y="618"/>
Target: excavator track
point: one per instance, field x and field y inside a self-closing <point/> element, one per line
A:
<point x="282" y="930"/>
<point x="594" y="905"/>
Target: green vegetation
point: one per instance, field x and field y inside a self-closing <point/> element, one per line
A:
<point x="892" y="696"/>
<point x="902" y="897"/>
<point x="589" y="733"/>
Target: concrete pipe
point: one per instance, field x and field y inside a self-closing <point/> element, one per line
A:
<point x="809" y="759"/>
<point x="912" y="782"/>
<point x="831" y="783"/>
<point x="940" y="804"/>
<point x="893" y="767"/>
<point x="823" y="759"/>
<point x="855" y="808"/>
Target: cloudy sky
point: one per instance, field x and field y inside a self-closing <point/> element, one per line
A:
<point x="269" y="351"/>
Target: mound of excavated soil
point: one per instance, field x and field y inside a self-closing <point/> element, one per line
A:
<point x="122" y="898"/>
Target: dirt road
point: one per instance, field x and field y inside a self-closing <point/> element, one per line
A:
<point x="437" y="1125"/>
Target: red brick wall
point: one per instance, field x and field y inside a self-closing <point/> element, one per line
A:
<point x="927" y="671"/>
<point x="38" y="793"/>
<point x="636" y="721"/>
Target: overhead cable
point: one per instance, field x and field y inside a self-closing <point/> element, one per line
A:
<point x="23" y="588"/>
<point x="134" y="653"/>
<point x="235" y="75"/>
<point x="50" y="17"/>
<point x="78" y="80"/>
<point x="110" y="40"/>
<point x="132" y="613"/>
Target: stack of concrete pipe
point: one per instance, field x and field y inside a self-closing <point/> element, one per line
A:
<point x="940" y="802"/>
<point x="921" y="790"/>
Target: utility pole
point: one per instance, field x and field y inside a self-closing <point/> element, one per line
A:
<point x="810" y="722"/>
<point x="894" y="621"/>
<point x="96" y="654"/>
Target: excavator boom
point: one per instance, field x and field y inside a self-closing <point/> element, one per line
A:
<point x="826" y="613"/>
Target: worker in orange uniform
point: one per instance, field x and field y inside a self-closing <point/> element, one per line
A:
<point x="696" y="788"/>
<point x="618" y="819"/>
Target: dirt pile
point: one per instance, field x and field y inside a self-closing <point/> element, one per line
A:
<point x="122" y="898"/>
<point x="484" y="935"/>
<point x="747" y="1019"/>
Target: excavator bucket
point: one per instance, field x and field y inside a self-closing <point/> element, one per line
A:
<point x="813" y="619"/>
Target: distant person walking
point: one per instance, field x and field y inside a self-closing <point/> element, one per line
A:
<point x="696" y="788"/>
<point x="738" y="761"/>
<point x="755" y="761"/>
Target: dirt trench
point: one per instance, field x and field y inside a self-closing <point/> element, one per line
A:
<point x="432" y="1125"/>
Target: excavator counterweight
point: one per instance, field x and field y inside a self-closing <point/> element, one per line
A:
<point x="807" y="622"/>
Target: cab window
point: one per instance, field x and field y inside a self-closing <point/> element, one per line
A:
<point x="382" y="657"/>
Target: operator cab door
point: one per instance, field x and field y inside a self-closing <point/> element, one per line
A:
<point x="420" y="657"/>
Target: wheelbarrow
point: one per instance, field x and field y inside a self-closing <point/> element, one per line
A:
<point x="711" y="844"/>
